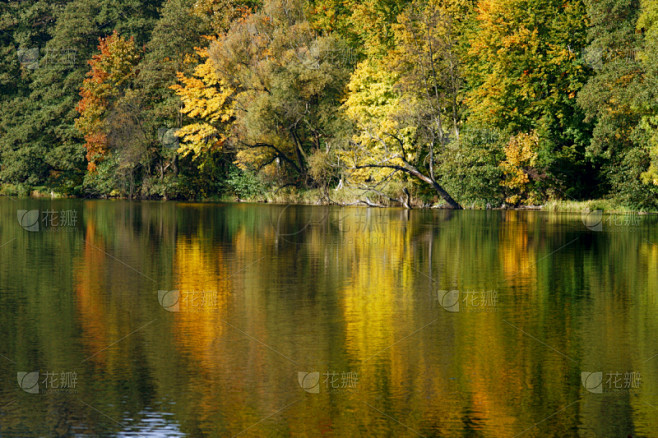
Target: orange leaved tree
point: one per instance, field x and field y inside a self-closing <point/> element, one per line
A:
<point x="110" y="75"/>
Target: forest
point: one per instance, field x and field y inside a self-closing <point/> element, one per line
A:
<point x="447" y="103"/>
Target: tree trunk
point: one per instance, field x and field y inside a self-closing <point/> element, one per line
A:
<point x="411" y="170"/>
<point x="454" y="204"/>
<point x="445" y="195"/>
<point x="406" y="199"/>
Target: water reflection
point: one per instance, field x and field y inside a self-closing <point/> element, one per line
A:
<point x="259" y="293"/>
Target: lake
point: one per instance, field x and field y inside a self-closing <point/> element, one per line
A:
<point x="218" y="320"/>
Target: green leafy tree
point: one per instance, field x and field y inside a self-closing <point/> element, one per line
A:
<point x="612" y="100"/>
<point x="287" y="85"/>
<point x="169" y="52"/>
<point x="646" y="100"/>
<point x="524" y="72"/>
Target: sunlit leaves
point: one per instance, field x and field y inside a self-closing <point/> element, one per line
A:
<point x="207" y="100"/>
<point x="523" y="61"/>
<point x="110" y="73"/>
<point x="520" y="162"/>
<point x="287" y="82"/>
<point x="371" y="104"/>
<point x="400" y="103"/>
<point x="648" y="125"/>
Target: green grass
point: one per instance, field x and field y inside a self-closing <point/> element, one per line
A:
<point x="291" y="195"/>
<point x="606" y="205"/>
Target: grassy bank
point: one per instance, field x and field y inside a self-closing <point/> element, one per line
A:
<point x="606" y="205"/>
<point x="351" y="196"/>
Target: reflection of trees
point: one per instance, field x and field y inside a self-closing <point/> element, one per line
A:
<point x="644" y="326"/>
<point x="204" y="284"/>
<point x="124" y="246"/>
<point x="377" y="310"/>
<point x="517" y="253"/>
<point x="89" y="284"/>
<point x="343" y="294"/>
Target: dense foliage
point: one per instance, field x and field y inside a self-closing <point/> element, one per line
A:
<point x="456" y="102"/>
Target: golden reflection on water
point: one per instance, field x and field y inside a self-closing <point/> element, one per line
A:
<point x="264" y="296"/>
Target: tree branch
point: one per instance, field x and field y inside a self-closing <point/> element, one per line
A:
<point x="411" y="170"/>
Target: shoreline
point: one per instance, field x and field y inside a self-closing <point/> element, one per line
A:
<point x="311" y="198"/>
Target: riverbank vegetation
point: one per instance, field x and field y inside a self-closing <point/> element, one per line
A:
<point x="415" y="103"/>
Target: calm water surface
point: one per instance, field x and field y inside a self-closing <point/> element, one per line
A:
<point x="219" y="320"/>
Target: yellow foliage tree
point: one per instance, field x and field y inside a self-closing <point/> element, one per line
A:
<point x="207" y="100"/>
<point x="519" y="167"/>
<point x="406" y="105"/>
<point x="525" y="65"/>
<point x="371" y="102"/>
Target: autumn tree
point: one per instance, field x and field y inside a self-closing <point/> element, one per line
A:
<point x="287" y="84"/>
<point x="406" y="106"/>
<point x="208" y="103"/>
<point x="525" y="70"/>
<point x="519" y="166"/>
<point x="110" y="75"/>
